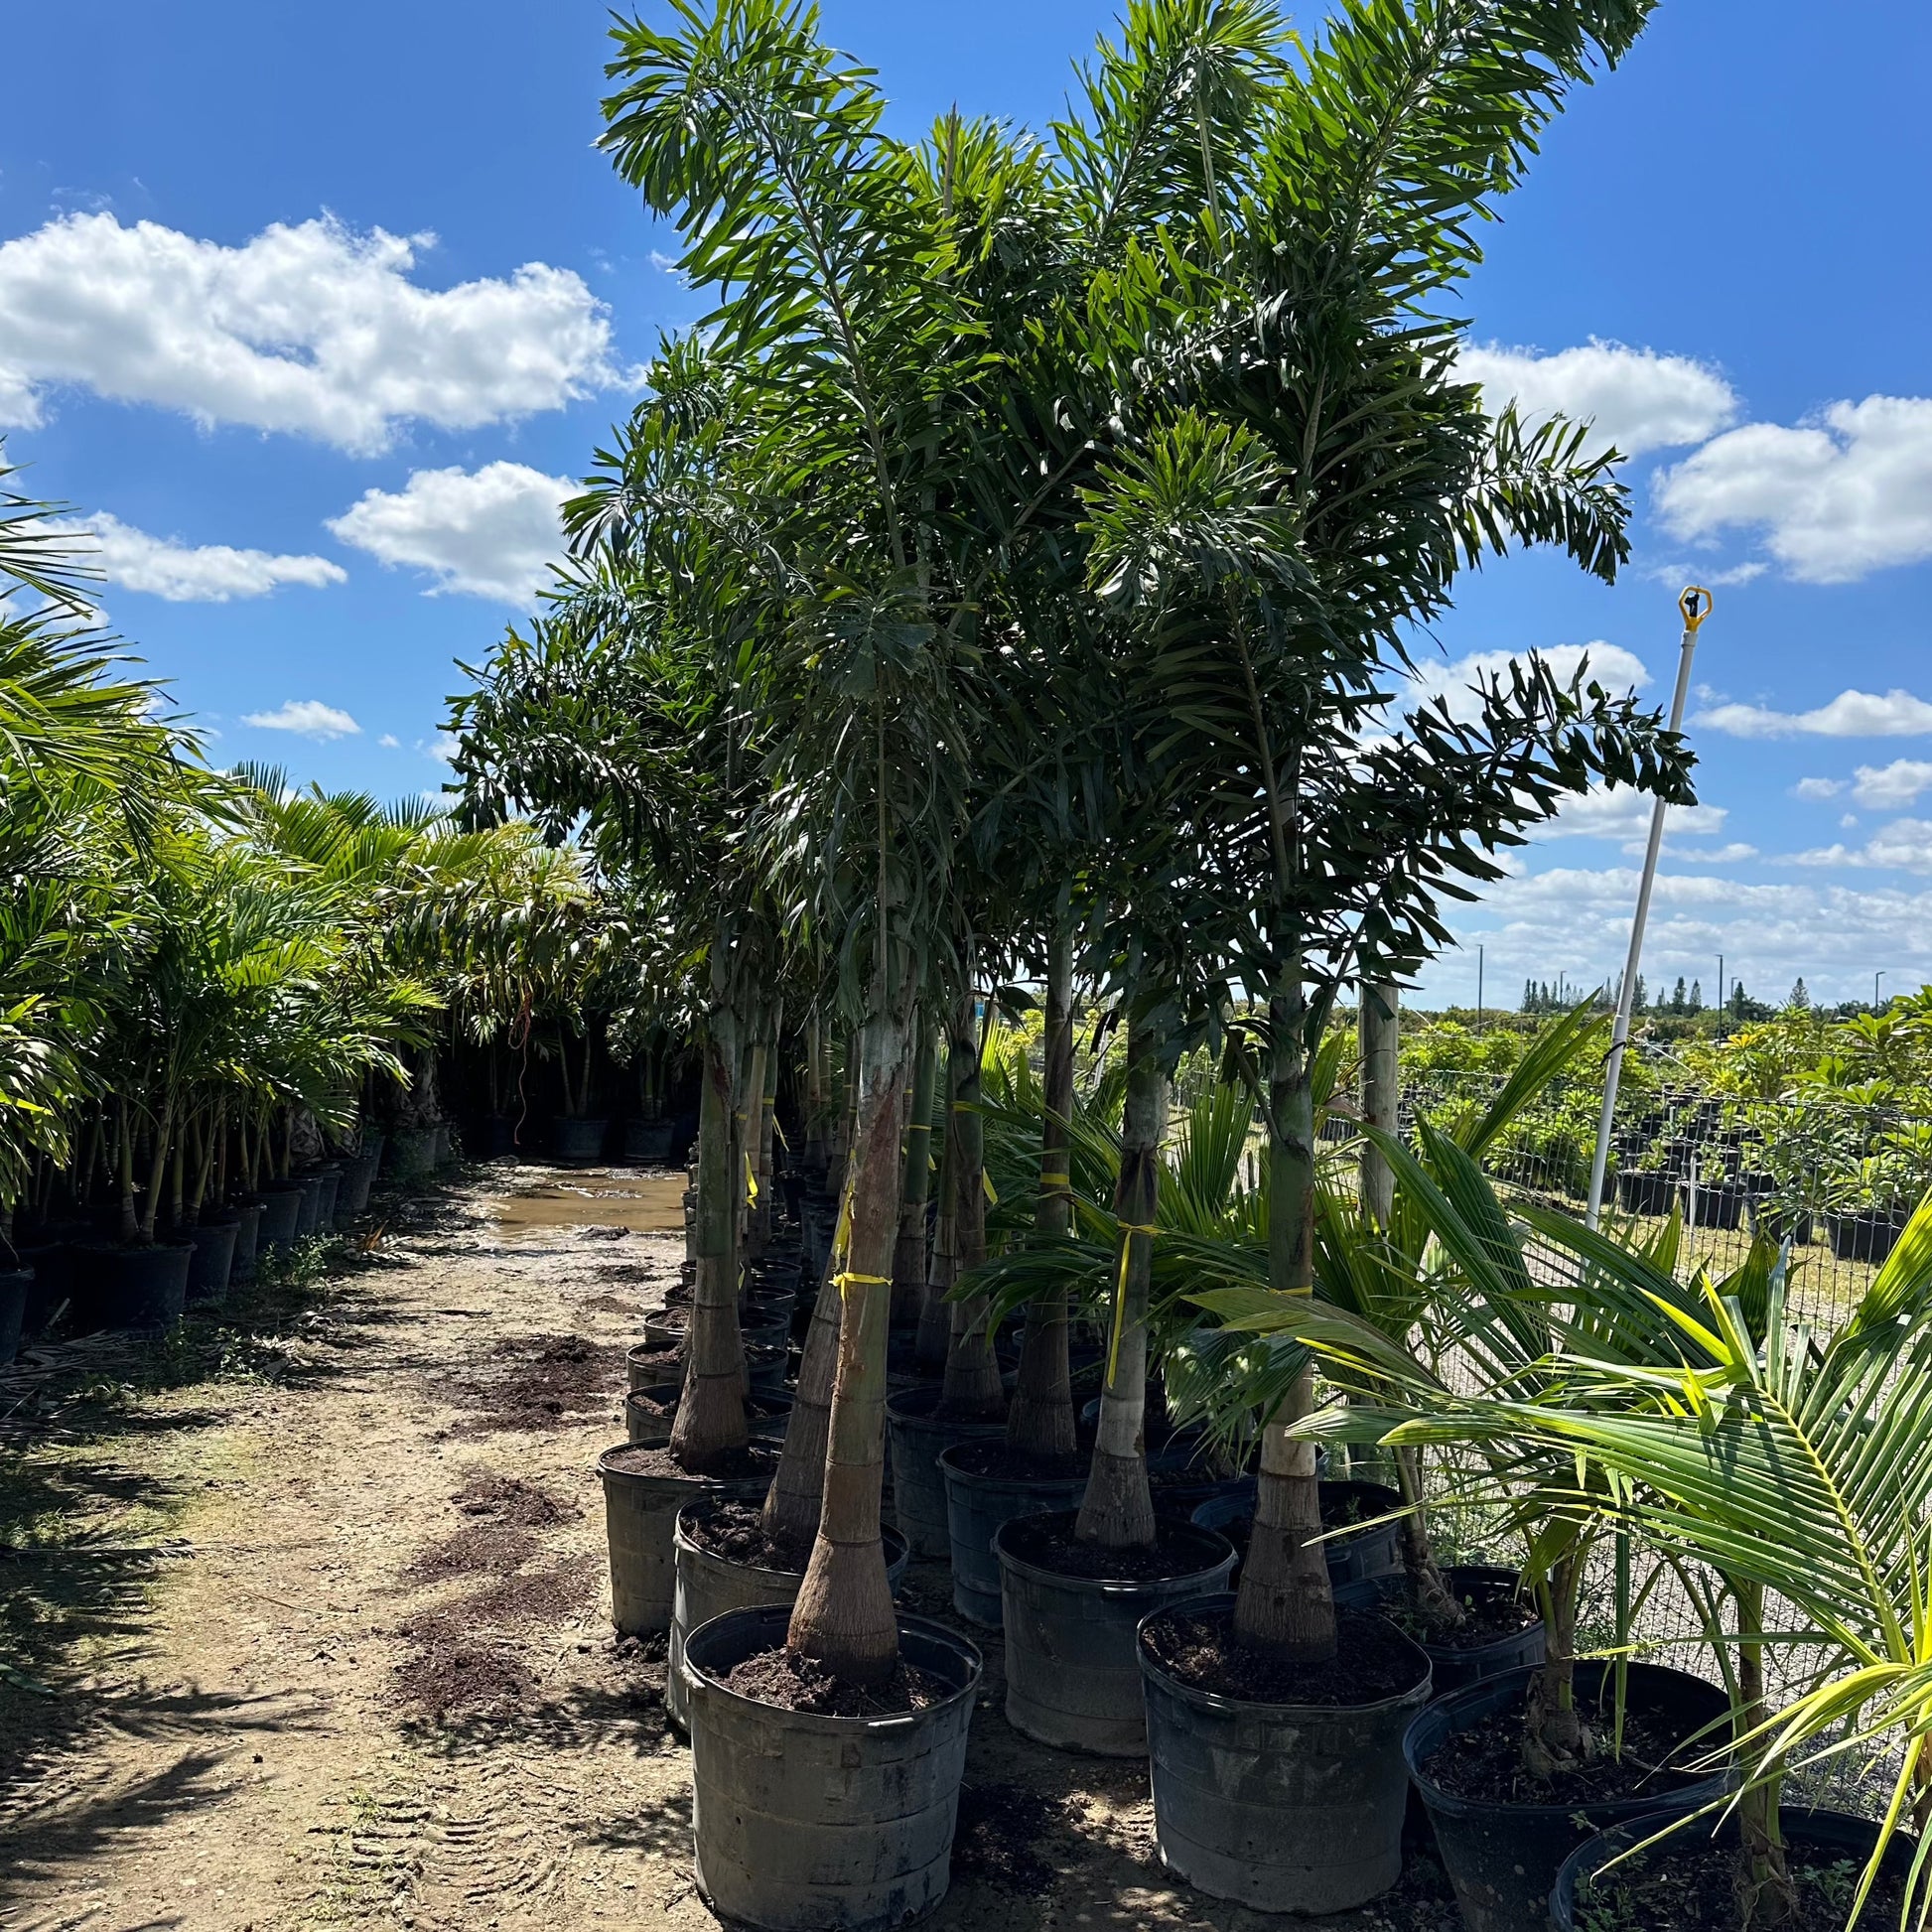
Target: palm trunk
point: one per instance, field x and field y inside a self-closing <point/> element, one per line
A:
<point x="942" y="1271"/>
<point x="1766" y="1895"/>
<point x="909" y="1257"/>
<point x="767" y="1098"/>
<point x="844" y="1616"/>
<point x="1040" y="1421"/>
<point x="158" y="1168"/>
<point x="1554" y="1737"/>
<point x="816" y="1151"/>
<point x="1285" y="1604"/>
<point x="748" y="1117"/>
<point x="1118" y="1507"/>
<point x="972" y="1391"/>
<point x="710" y="1426"/>
<point x="124" y="1172"/>
<point x="1380" y="1028"/>
<point x="793" y="1502"/>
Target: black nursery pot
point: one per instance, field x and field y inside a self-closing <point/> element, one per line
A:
<point x="1869" y="1236"/>
<point x="976" y="1506"/>
<point x="281" y="1216"/>
<point x="1074" y="1670"/>
<point x="1828" y="1835"/>
<point x="579" y="1139"/>
<point x="212" y="1262"/>
<point x="1451" y="1666"/>
<point x="134" y="1287"/>
<point x="14" y="1285"/>
<point x="49" y="1288"/>
<point x="1280" y="1807"/>
<point x="1641" y="1192"/>
<point x="647" y="1143"/>
<point x="247" y="1241"/>
<point x="1501" y="1858"/>
<point x="804" y="1822"/>
<point x="915" y="1440"/>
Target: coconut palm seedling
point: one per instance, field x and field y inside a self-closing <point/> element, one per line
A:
<point x="1785" y="1475"/>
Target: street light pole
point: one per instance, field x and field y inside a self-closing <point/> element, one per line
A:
<point x="1695" y="606"/>
<point x="1875" y="977"/>
<point x="1478" y="989"/>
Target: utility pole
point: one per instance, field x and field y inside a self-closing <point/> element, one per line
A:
<point x="1478" y="989"/>
<point x="1695" y="606"/>
<point x="1875" y="977"/>
<point x="1721" y="996"/>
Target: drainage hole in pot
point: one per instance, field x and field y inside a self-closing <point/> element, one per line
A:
<point x="795" y="1683"/>
<point x="1048" y="1542"/>
<point x="1485" y="1761"/>
<point x="1373" y="1660"/>
<point x="1691" y="1885"/>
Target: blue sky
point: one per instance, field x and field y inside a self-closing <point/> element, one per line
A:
<point x="322" y="462"/>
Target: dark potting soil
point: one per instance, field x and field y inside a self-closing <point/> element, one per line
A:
<point x="1050" y="1542"/>
<point x="800" y="1684"/>
<point x="541" y="1382"/>
<point x="664" y="1363"/>
<point x="443" y="1679"/>
<point x="507" y="1500"/>
<point x="1485" y="1763"/>
<point x="736" y="1532"/>
<point x="1338" y="1512"/>
<point x="1690" y="1887"/>
<point x="1372" y="1661"/>
<point x="479" y="1548"/>
<point x="633" y="1460"/>
<point x="1492" y="1611"/>
<point x="992" y="1457"/>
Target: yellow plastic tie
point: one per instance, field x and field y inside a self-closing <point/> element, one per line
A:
<point x="750" y="1180"/>
<point x="852" y="1275"/>
<point x="992" y="1192"/>
<point x="1056" y="1181"/>
<point x="1129" y="1229"/>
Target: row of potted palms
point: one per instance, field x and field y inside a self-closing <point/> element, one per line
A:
<point x="208" y="980"/>
<point x="1011" y="581"/>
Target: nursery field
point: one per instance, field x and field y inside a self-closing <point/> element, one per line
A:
<point x="309" y="1625"/>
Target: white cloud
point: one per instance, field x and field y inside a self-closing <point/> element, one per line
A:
<point x="1905" y="845"/>
<point x="1852" y="713"/>
<point x="1817" y="791"/>
<point x="1638" y="399"/>
<point x="1680" y="575"/>
<point x="311" y="328"/>
<point x="308" y="717"/>
<point x="390" y="741"/>
<point x="443" y="747"/>
<point x="209" y="573"/>
<point x="1837" y="497"/>
<point x="1622" y="812"/>
<point x="1891" y="787"/>
<point x="1578" y="922"/>
<point x="492" y="533"/>
<point x="1609" y="666"/>
<point x="1846" y="820"/>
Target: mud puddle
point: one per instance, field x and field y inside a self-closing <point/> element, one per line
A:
<point x="597" y="1197"/>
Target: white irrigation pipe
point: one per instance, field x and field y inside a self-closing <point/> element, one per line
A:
<point x="1694" y="604"/>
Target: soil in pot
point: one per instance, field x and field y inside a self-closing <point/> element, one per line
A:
<point x="1500" y="1630"/>
<point x="1071" y="1609"/>
<point x="1197" y="1647"/>
<point x="805" y="1819"/>
<point x="1688" y="1883"/>
<point x="1372" y="1551"/>
<point x="1503" y="1834"/>
<point x="726" y="1562"/>
<point x="1279" y="1785"/>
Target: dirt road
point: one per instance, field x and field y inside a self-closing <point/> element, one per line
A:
<point x="304" y="1616"/>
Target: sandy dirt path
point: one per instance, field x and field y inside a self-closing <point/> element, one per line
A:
<point x="306" y="1623"/>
